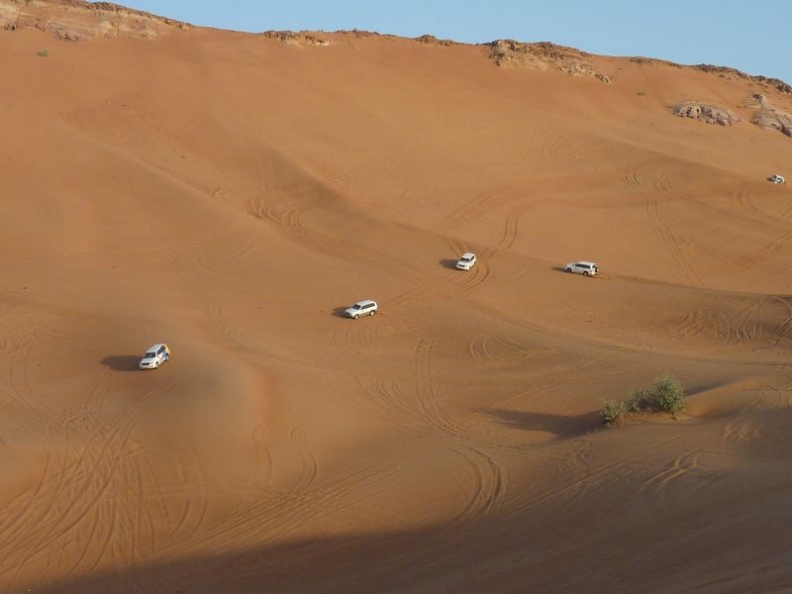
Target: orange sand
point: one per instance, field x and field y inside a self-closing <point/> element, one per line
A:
<point x="231" y="194"/>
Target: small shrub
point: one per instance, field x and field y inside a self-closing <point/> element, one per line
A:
<point x="43" y="53"/>
<point x="615" y="411"/>
<point x="639" y="400"/>
<point x="641" y="93"/>
<point x="668" y="394"/>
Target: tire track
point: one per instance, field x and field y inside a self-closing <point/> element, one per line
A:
<point x="262" y="471"/>
<point x="489" y="490"/>
<point x="310" y="468"/>
<point x="276" y="515"/>
<point x="426" y="397"/>
<point x="22" y="400"/>
<point x="657" y="491"/>
<point x="763" y="253"/>
<point x="672" y="243"/>
<point x="83" y="475"/>
<point x="663" y="185"/>
<point x="480" y="204"/>
<point x="212" y="251"/>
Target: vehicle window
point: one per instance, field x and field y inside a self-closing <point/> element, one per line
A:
<point x="149" y="355"/>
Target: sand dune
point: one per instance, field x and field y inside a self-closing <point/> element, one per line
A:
<point x="231" y="194"/>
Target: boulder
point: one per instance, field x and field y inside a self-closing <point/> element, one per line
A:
<point x="706" y="113"/>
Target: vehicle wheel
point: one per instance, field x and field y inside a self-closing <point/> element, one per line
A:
<point x="372" y="313"/>
<point x="568" y="269"/>
<point x="355" y="317"/>
<point x="586" y="273"/>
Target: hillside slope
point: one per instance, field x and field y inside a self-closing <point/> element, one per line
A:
<point x="230" y="194"/>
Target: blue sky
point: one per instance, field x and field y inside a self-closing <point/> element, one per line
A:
<point x="752" y="37"/>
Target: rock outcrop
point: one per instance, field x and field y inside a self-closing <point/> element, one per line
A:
<point x="507" y="53"/>
<point x="78" y="20"/>
<point x="769" y="117"/>
<point x="706" y="113"/>
<point x="724" y="71"/>
<point x="296" y="39"/>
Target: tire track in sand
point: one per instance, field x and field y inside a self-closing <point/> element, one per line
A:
<point x="82" y="478"/>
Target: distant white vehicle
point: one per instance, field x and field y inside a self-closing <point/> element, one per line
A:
<point x="466" y="261"/>
<point x="361" y="308"/>
<point x="776" y="179"/>
<point x="583" y="267"/>
<point x="155" y="356"/>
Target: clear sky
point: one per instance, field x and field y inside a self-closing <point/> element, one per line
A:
<point x="754" y="37"/>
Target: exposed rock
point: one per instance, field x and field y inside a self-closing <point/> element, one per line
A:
<point x="432" y="40"/>
<point x="78" y="20"/>
<point x="507" y="53"/>
<point x="769" y="117"/>
<point x="296" y="39"/>
<point x="724" y="71"/>
<point x="706" y="113"/>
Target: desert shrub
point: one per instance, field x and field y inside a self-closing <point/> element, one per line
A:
<point x="43" y="53"/>
<point x="614" y="411"/>
<point x="639" y="400"/>
<point x="668" y="394"/>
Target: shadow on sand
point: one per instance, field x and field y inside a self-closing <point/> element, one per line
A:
<point x="122" y="362"/>
<point x="563" y="427"/>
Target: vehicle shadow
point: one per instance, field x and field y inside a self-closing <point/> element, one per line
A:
<point x="339" y="311"/>
<point x="122" y="362"/>
<point x="448" y="263"/>
<point x="559" y="268"/>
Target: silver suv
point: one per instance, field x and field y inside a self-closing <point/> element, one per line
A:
<point x="466" y="261"/>
<point x="583" y="267"/>
<point x="361" y="308"/>
<point x="155" y="356"/>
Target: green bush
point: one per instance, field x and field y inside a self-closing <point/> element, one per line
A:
<point x="666" y="395"/>
<point x="615" y="411"/>
<point x="639" y="400"/>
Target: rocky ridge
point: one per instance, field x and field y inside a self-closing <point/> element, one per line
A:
<point x="507" y="53"/>
<point x="78" y="20"/>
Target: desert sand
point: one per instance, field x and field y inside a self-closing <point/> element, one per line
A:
<point x="231" y="194"/>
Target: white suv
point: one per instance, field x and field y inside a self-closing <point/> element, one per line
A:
<point x="467" y="261"/>
<point x="361" y="308"/>
<point x="155" y="356"/>
<point x="776" y="179"/>
<point x="582" y="267"/>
